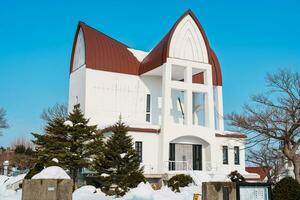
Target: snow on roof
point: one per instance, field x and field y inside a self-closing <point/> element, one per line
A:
<point x="140" y="55"/>
<point x="52" y="172"/>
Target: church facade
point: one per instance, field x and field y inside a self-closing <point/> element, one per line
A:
<point x="170" y="97"/>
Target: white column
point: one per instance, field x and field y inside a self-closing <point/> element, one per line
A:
<point x="219" y="106"/>
<point x="209" y="103"/>
<point x="163" y="153"/>
<point x="188" y="98"/>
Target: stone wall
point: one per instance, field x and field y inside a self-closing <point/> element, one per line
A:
<point x="47" y="189"/>
<point x="218" y="191"/>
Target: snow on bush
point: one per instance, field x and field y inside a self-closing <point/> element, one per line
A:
<point x="68" y="123"/>
<point x="52" y="172"/>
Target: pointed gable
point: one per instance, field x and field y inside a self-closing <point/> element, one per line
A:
<point x="159" y="54"/>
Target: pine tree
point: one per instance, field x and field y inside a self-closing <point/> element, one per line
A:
<point x="119" y="168"/>
<point x="73" y="142"/>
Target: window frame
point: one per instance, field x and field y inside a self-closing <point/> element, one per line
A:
<point x="139" y="150"/>
<point x="225" y="155"/>
<point x="236" y="152"/>
<point x="148" y="108"/>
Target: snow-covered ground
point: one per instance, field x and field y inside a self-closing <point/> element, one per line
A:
<point x="5" y="183"/>
<point x="142" y="192"/>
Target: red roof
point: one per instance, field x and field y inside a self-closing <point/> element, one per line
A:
<point x="105" y="53"/>
<point x="232" y="135"/>
<point x="261" y="171"/>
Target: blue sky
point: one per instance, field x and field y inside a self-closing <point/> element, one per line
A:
<point x="250" y="39"/>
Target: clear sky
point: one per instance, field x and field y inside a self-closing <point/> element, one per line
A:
<point x="250" y="38"/>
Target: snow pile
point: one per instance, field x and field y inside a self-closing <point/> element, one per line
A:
<point x="89" y="192"/>
<point x="143" y="191"/>
<point x="5" y="183"/>
<point x="52" y="172"/>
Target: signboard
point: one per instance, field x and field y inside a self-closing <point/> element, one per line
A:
<point x="253" y="191"/>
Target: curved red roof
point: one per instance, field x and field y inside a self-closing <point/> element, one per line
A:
<point x="105" y="53"/>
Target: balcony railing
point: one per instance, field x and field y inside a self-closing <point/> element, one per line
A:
<point x="179" y="166"/>
<point x="186" y="166"/>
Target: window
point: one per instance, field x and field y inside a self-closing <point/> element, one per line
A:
<point x="225" y="193"/>
<point x="225" y="155"/>
<point x="139" y="150"/>
<point x="236" y="155"/>
<point x="148" y="105"/>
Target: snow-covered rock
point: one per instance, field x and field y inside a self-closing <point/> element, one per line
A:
<point x="52" y="172"/>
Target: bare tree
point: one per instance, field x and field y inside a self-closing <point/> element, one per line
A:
<point x="3" y="121"/>
<point x="21" y="141"/>
<point x="275" y="116"/>
<point x="57" y="111"/>
<point x="24" y="155"/>
<point x="269" y="159"/>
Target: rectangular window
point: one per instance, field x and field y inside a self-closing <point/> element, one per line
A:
<point x="139" y="150"/>
<point x="148" y="108"/>
<point x="225" y="155"/>
<point x="225" y="193"/>
<point x="236" y="155"/>
<point x="171" y="157"/>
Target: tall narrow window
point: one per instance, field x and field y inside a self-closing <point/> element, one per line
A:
<point x="139" y="150"/>
<point x="148" y="108"/>
<point x="225" y="155"/>
<point x="172" y="157"/>
<point x="236" y="155"/>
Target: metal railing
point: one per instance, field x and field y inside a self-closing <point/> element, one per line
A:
<point x="178" y="165"/>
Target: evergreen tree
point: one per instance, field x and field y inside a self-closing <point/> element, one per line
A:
<point x="73" y="142"/>
<point x="119" y="168"/>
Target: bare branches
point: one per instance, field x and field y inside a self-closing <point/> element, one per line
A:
<point x="275" y="115"/>
<point x="58" y="111"/>
<point x="269" y="159"/>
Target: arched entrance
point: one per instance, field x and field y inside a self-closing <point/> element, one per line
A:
<point x="187" y="153"/>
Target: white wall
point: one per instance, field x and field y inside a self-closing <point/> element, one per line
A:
<point x="230" y="142"/>
<point x="150" y="150"/>
<point x="77" y="88"/>
<point x="109" y="95"/>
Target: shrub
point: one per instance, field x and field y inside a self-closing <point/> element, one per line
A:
<point x="287" y="189"/>
<point x="235" y="176"/>
<point x="134" y="179"/>
<point x="179" y="180"/>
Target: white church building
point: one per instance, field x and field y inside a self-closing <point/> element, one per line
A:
<point x="170" y="97"/>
